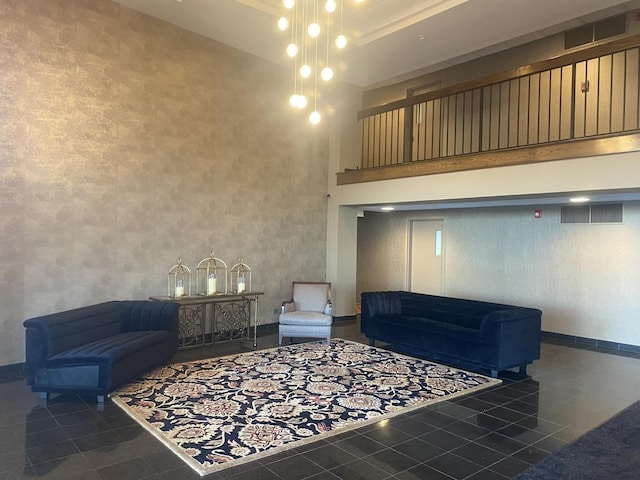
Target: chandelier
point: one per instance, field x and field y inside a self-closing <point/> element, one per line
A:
<point x="314" y="34"/>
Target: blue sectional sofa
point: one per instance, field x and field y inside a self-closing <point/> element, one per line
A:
<point x="470" y="333"/>
<point x="96" y="349"/>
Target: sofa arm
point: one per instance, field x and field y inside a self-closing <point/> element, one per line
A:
<point x="36" y="352"/>
<point x="517" y="332"/>
<point x="374" y="303"/>
<point x="377" y="303"/>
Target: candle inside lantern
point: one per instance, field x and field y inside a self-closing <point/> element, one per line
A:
<point x="179" y="289"/>
<point x="211" y="285"/>
<point x="240" y="284"/>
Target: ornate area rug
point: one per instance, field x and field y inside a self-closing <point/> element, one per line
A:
<point x="221" y="412"/>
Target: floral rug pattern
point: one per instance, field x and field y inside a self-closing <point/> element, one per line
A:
<point x="225" y="411"/>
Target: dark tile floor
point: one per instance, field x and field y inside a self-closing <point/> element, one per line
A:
<point x="492" y="434"/>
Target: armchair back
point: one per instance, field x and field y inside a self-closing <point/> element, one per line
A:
<point x="311" y="296"/>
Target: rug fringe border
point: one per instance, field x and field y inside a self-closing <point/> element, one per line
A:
<point x="206" y="470"/>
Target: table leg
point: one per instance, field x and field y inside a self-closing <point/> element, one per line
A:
<point x="255" y="326"/>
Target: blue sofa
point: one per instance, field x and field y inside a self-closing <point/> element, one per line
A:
<point x="468" y="333"/>
<point x="96" y="349"/>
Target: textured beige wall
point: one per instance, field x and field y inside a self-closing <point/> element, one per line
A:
<point x="585" y="278"/>
<point x="126" y="142"/>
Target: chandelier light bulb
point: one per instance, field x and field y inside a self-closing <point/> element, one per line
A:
<point x="289" y="4"/>
<point x="302" y="102"/>
<point x="293" y="100"/>
<point x="326" y="74"/>
<point x="341" y="41"/>
<point x="313" y="29"/>
<point x="292" y="49"/>
<point x="330" y="6"/>
<point x="305" y="71"/>
<point x="283" y="23"/>
<point x="315" y="117"/>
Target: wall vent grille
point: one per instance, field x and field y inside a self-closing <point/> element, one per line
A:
<point x="596" y="213"/>
<point x="575" y="214"/>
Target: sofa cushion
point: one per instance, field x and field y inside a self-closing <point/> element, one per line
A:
<point x="109" y="349"/>
<point x="466" y="313"/>
<point x="409" y="325"/>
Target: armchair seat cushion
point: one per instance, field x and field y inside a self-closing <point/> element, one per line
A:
<point x="305" y="318"/>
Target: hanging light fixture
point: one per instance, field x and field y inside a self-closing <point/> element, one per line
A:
<point x="306" y="34"/>
<point x="341" y="40"/>
<point x="327" y="71"/>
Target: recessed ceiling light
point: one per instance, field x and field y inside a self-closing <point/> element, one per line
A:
<point x="387" y="209"/>
<point x="579" y="199"/>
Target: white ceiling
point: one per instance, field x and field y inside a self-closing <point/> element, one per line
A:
<point x="385" y="35"/>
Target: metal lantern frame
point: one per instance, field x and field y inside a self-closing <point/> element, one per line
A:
<point x="179" y="280"/>
<point x="207" y="267"/>
<point x="240" y="271"/>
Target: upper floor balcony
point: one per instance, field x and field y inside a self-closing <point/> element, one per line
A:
<point x="581" y="104"/>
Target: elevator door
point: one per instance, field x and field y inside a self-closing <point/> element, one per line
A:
<point x="426" y="251"/>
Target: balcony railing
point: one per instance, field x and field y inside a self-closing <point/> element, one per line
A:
<point x="539" y="112"/>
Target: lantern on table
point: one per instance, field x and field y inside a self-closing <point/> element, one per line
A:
<point x="240" y="277"/>
<point x="179" y="281"/>
<point x="211" y="276"/>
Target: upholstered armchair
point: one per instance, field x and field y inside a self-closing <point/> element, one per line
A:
<point x="308" y="313"/>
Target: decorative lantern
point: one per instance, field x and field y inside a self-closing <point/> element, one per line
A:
<point x="240" y="277"/>
<point x="179" y="282"/>
<point x="211" y="276"/>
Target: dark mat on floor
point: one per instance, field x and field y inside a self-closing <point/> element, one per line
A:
<point x="610" y="451"/>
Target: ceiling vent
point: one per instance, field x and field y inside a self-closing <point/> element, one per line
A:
<point x="594" y="32"/>
<point x="596" y="213"/>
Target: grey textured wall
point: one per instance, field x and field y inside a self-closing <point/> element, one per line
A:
<point x="126" y="142"/>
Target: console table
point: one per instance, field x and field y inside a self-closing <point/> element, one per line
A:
<point x="206" y="319"/>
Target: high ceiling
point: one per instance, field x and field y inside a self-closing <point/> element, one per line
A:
<point x="390" y="40"/>
<point x="394" y="40"/>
